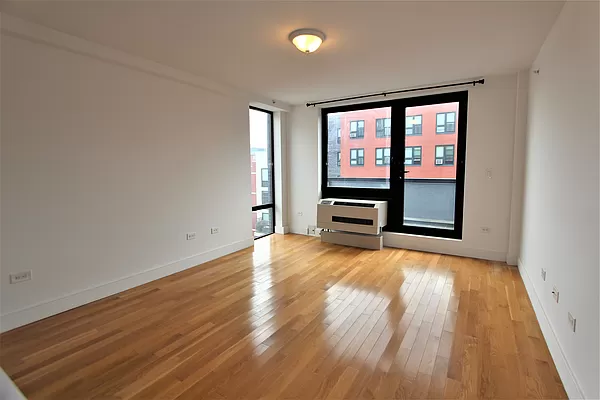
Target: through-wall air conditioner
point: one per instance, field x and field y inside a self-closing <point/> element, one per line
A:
<point x="352" y="222"/>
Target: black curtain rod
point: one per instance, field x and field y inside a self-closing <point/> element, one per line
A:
<point x="364" y="96"/>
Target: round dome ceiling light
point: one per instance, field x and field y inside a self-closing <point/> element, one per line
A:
<point x="307" y="40"/>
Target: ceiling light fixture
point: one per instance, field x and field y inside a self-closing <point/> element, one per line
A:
<point x="307" y="40"/>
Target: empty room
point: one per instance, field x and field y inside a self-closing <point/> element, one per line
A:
<point x="299" y="199"/>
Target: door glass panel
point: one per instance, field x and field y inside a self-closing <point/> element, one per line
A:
<point x="358" y="148"/>
<point x="430" y="165"/>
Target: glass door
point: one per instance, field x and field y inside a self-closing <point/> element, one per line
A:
<point x="428" y="194"/>
<point x="261" y="172"/>
<point x="430" y="166"/>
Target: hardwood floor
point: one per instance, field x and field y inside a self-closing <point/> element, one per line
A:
<point x="297" y="319"/>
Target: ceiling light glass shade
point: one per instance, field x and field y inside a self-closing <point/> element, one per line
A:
<point x="307" y="40"/>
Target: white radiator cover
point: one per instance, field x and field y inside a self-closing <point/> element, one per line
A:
<point x="357" y="216"/>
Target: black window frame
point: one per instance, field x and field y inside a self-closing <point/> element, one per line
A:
<point x="413" y="156"/>
<point x="357" y="158"/>
<point x="396" y="177"/>
<point x="420" y="133"/>
<point x="384" y="132"/>
<point x="271" y="163"/>
<point x="445" y="125"/>
<point x="360" y="132"/>
<point x="383" y="156"/>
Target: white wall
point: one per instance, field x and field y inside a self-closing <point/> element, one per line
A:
<point x="518" y="172"/>
<point x="560" y="224"/>
<point x="490" y="139"/>
<point x="105" y="167"/>
<point x="280" y="129"/>
<point x="303" y="169"/>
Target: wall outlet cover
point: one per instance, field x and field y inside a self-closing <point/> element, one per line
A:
<point x="20" y="277"/>
<point x="572" y="322"/>
<point x="190" y="236"/>
<point x="555" y="293"/>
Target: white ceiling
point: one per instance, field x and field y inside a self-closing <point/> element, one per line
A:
<point x="370" y="46"/>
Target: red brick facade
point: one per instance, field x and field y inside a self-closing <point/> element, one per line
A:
<point x="428" y="141"/>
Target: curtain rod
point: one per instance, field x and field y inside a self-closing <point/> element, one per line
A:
<point x="364" y="96"/>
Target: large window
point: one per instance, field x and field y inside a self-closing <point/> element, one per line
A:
<point x="382" y="156"/>
<point x="412" y="154"/>
<point x="383" y="127"/>
<point x="357" y="157"/>
<point x="357" y="129"/>
<point x="352" y="163"/>
<point x="414" y="125"/>
<point x="262" y="185"/>
<point x="445" y="122"/>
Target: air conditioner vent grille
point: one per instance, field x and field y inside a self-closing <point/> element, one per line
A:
<point x="351" y="220"/>
<point x="352" y="204"/>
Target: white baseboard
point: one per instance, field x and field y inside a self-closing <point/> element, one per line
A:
<point x="298" y="231"/>
<point x="439" y="245"/>
<point x="567" y="376"/>
<point x="48" y="308"/>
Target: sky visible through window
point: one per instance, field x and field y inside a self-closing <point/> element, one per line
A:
<point x="258" y="126"/>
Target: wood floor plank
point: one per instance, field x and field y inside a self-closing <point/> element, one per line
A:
<point x="297" y="319"/>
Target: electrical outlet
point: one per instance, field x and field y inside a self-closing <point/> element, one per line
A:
<point x="300" y="213"/>
<point x="20" y="277"/>
<point x="555" y="293"/>
<point x="485" y="229"/>
<point x="311" y="229"/>
<point x="572" y="322"/>
<point x="543" y="274"/>
<point x="190" y="236"/>
<point x="214" y="231"/>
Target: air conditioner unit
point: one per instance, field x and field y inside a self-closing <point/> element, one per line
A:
<point x="352" y="222"/>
